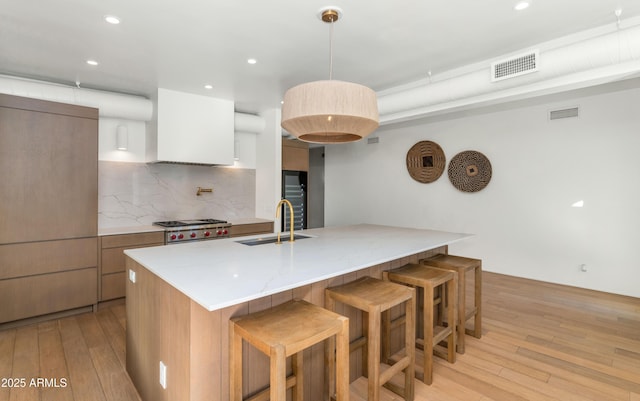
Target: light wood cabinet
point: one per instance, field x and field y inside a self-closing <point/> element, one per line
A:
<point x="112" y="260"/>
<point x="38" y="278"/>
<point x="251" y="229"/>
<point x="51" y="150"/>
<point x="48" y="208"/>
<point x="295" y="155"/>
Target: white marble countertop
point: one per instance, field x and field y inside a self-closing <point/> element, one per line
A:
<point x="128" y="230"/>
<point x="221" y="273"/>
<point x="151" y="228"/>
<point x="248" y="220"/>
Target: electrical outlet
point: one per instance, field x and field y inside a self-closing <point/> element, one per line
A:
<point x="132" y="276"/>
<point x="163" y="375"/>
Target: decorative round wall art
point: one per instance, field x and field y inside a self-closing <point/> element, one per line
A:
<point x="469" y="171"/>
<point x="425" y="161"/>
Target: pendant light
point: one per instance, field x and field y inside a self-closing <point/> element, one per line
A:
<point x="330" y="111"/>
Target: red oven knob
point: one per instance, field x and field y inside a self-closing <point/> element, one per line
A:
<point x="207" y="233"/>
<point x="180" y="236"/>
<point x="193" y="235"/>
<point x="173" y="236"/>
<point x="219" y="232"/>
<point x="225" y="232"/>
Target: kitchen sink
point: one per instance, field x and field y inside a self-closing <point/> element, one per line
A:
<point x="272" y="239"/>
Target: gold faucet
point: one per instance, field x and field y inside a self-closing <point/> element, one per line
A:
<point x="290" y="220"/>
<point x="201" y="190"/>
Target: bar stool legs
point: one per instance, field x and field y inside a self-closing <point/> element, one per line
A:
<point x="287" y="330"/>
<point x="373" y="297"/>
<point x="431" y="337"/>
<point x="337" y="367"/>
<point x="428" y="279"/>
<point x="462" y="265"/>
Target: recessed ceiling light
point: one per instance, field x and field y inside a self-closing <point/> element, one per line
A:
<point x="92" y="62"/>
<point x="208" y="86"/>
<point x="252" y="61"/>
<point x="521" y="5"/>
<point x="112" y="19"/>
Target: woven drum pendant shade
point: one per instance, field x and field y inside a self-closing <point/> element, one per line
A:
<point x="330" y="111"/>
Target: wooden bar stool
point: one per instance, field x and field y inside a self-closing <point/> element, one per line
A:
<point x="429" y="279"/>
<point x="373" y="297"/>
<point x="462" y="265"/>
<point x="287" y="330"/>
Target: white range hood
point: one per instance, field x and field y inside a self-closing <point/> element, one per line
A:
<point x="191" y="129"/>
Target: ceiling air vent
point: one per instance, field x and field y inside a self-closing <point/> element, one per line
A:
<point x="515" y="66"/>
<point x="564" y="113"/>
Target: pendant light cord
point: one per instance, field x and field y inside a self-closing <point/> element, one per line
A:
<point x="331" y="51"/>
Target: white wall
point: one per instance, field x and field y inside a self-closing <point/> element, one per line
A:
<point x="245" y="150"/>
<point x="523" y="220"/>
<point x="315" y="192"/>
<point x="269" y="166"/>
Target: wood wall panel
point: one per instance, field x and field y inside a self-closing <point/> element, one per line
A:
<point x="206" y="375"/>
<point x="135" y="353"/>
<point x="203" y="339"/>
<point x="159" y="333"/>
<point x="295" y="155"/>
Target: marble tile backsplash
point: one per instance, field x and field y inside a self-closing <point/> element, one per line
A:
<point x="131" y="194"/>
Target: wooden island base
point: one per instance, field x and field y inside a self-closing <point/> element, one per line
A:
<point x="165" y="325"/>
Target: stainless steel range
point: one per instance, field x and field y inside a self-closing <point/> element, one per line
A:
<point x="177" y="231"/>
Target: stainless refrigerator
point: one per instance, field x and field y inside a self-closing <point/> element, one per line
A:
<point x="294" y="189"/>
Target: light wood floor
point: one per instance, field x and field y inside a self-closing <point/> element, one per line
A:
<point x="540" y="342"/>
<point x="87" y="350"/>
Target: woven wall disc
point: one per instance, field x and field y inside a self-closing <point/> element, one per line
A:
<point x="425" y="161"/>
<point x="469" y="171"/>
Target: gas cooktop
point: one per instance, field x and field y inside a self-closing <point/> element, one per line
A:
<point x="184" y="223"/>
<point x="177" y="231"/>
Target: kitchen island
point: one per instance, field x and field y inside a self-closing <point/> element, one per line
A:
<point x="183" y="296"/>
